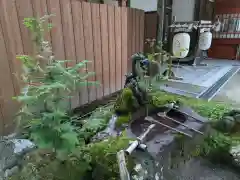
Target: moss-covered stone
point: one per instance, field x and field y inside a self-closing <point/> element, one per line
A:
<point x="104" y="157"/>
<point x="95" y="123"/>
<point x="229" y="123"/>
<point x="42" y="165"/>
<point x="217" y="145"/>
<point x="123" y="119"/>
<point x="96" y="161"/>
<point x="211" y="110"/>
<point x="125" y="102"/>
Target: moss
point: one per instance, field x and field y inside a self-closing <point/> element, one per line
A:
<point x="101" y="156"/>
<point x="123" y="119"/>
<point x="43" y="165"/>
<point x="97" y="122"/>
<point x="211" y="110"/>
<point x="216" y="146"/>
<point x="125" y="102"/>
<point x="96" y="161"/>
<point x="104" y="157"/>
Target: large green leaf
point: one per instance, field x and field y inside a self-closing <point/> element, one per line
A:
<point x="26" y="99"/>
<point x="70" y="138"/>
<point x="42" y="139"/>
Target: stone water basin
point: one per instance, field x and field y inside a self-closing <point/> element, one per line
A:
<point x="169" y="158"/>
<point x="162" y="136"/>
<point x="140" y="125"/>
<point x="163" y="149"/>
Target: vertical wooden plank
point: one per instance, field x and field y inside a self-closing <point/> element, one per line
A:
<point x="1" y="114"/>
<point x="13" y="40"/>
<point x="105" y="58"/>
<point x="97" y="48"/>
<point x="37" y="10"/>
<point x="10" y="67"/>
<point x="124" y="44"/>
<point x="130" y="34"/>
<point x="134" y="31"/>
<point x="68" y="37"/>
<point x="45" y="11"/>
<point x="77" y="14"/>
<point x="118" y="39"/>
<point x="69" y="41"/>
<point x="88" y="34"/>
<point x="24" y="10"/>
<point x="40" y="10"/>
<point x="112" y="62"/>
<point x="9" y="107"/>
<point x="56" y="32"/>
<point x="137" y="24"/>
<point x="141" y="34"/>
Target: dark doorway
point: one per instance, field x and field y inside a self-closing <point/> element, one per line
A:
<point x="151" y="26"/>
<point x="167" y="22"/>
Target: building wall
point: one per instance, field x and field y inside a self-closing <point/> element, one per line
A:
<point x="184" y="10"/>
<point x="146" y="5"/>
<point x="225" y="48"/>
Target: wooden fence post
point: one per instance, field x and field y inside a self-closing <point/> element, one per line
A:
<point x="123" y="3"/>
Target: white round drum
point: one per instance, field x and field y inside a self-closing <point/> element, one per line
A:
<point x="181" y="44"/>
<point x="205" y="41"/>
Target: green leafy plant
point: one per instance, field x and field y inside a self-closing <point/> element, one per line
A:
<point x="97" y="121"/>
<point x="45" y="97"/>
<point x="216" y="147"/>
<point x="157" y="54"/>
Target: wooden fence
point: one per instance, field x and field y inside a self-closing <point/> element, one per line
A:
<point x="104" y="34"/>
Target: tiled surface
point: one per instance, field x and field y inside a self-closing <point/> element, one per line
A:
<point x="200" y="76"/>
<point x="230" y="92"/>
<point x="222" y="62"/>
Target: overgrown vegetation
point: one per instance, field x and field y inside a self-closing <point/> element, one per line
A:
<point x="92" y="162"/>
<point x="97" y="121"/>
<point x="49" y="83"/>
<point x="224" y="136"/>
<point x="64" y="151"/>
<point x="211" y="110"/>
<point x="223" y="120"/>
<point x="104" y="162"/>
<point x="221" y="145"/>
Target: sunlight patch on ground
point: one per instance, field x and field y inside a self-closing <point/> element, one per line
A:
<point x="230" y="93"/>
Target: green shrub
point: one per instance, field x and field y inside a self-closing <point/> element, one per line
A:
<point x="45" y="97"/>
